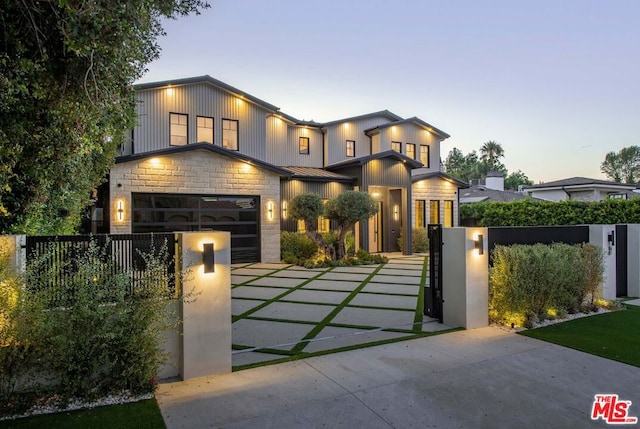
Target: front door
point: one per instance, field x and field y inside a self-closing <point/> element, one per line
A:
<point x="375" y="231"/>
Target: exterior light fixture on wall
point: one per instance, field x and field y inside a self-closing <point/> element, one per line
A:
<point x="270" y="210"/>
<point x="396" y="212"/>
<point x="611" y="238"/>
<point x="208" y="258"/>
<point x="478" y="244"/>
<point x="120" y="211"/>
<point x="284" y="210"/>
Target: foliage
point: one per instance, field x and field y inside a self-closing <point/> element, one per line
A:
<point x="470" y="166"/>
<point x="623" y="166"/>
<point x="344" y="211"/>
<point x="362" y="257"/>
<point x="296" y="247"/>
<point x="107" y="336"/>
<point x="529" y="212"/>
<point x="534" y="282"/>
<point x="515" y="179"/>
<point x="66" y="100"/>
<point x="419" y="240"/>
<point x="490" y="153"/>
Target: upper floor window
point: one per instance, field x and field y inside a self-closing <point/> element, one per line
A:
<point x="303" y="145"/>
<point x="230" y="134"/>
<point x="351" y="148"/>
<point x="397" y="146"/>
<point x="178" y="129"/>
<point x="411" y="150"/>
<point x="204" y="130"/>
<point x="424" y="155"/>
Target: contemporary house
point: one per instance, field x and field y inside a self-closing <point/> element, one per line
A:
<point x="207" y="156"/>
<point x="580" y="188"/>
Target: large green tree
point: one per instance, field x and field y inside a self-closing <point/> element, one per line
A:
<point x="622" y="166"/>
<point x="66" y="100"/>
<point x="515" y="179"/>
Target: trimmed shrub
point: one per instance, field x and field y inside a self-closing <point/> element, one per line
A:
<point x="296" y="247"/>
<point x="419" y="240"/>
<point x="529" y="283"/>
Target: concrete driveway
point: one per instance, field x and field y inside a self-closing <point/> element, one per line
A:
<point x="482" y="378"/>
<point x="282" y="310"/>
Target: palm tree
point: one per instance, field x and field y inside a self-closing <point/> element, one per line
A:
<point x="490" y="152"/>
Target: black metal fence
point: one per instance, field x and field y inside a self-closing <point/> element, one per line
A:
<point x="59" y="257"/>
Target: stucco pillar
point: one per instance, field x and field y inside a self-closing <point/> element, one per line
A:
<point x="206" y="327"/>
<point x="465" y="278"/>
<point x="633" y="260"/>
<point x="601" y="236"/>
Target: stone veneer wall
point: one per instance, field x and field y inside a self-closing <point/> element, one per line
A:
<point x="197" y="172"/>
<point x="434" y="189"/>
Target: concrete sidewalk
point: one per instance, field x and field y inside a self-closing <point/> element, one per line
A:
<point x="479" y="378"/>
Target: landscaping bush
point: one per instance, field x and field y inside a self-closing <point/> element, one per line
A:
<point x="419" y="240"/>
<point x="296" y="247"/>
<point x="529" y="283"/>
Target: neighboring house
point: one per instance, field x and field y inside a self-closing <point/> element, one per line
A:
<point x="579" y="188"/>
<point x="489" y="189"/>
<point x="206" y="155"/>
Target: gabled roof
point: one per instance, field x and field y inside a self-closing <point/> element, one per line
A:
<point x="208" y="147"/>
<point x="482" y="193"/>
<point x="581" y="182"/>
<point x="413" y="120"/>
<point x="318" y="174"/>
<point x="384" y="113"/>
<point x="207" y="79"/>
<point x="380" y="155"/>
<point x="297" y="121"/>
<point x="441" y="175"/>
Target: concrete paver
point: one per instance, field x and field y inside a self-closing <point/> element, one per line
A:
<point x="256" y="292"/>
<point x="392" y="288"/>
<point x="239" y="306"/>
<point x="294" y="311"/>
<point x="328" y="297"/>
<point x="265" y="333"/>
<point x="388" y="301"/>
<point x="277" y="281"/>
<point x="331" y="285"/>
<point x="375" y="317"/>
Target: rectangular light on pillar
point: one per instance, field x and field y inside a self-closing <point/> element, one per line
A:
<point x="270" y="210"/>
<point x="284" y="210"/>
<point x="478" y="244"/>
<point x="120" y="211"/>
<point x="208" y="258"/>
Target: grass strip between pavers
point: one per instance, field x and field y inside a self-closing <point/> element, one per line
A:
<point x="419" y="317"/>
<point x="410" y="295"/>
<point x="303" y="355"/>
<point x="374" y="307"/>
<point x="235" y="285"/>
<point x="320" y="326"/>
<point x="612" y="335"/>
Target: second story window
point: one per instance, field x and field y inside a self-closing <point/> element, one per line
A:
<point x="351" y="148"/>
<point x="424" y="155"/>
<point x="411" y="150"/>
<point x="230" y="134"/>
<point x="397" y="146"/>
<point x="204" y="130"/>
<point x="303" y="145"/>
<point x="178" y="129"/>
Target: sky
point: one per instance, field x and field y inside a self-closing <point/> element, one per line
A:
<point x="555" y="82"/>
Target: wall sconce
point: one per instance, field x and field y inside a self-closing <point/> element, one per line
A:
<point x="396" y="212"/>
<point x="270" y="210"/>
<point x="284" y="210"/>
<point x="611" y="238"/>
<point x="478" y="244"/>
<point x="120" y="211"/>
<point x="208" y="258"/>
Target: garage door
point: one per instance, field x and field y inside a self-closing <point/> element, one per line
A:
<point x="178" y="212"/>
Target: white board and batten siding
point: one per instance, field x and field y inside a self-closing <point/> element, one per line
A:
<point x="201" y="99"/>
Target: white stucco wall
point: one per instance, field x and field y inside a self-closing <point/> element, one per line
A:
<point x="194" y="172"/>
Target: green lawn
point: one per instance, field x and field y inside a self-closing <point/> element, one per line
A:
<point x="139" y="415"/>
<point x="614" y="335"/>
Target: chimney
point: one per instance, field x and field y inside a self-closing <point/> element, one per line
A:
<point x="495" y="180"/>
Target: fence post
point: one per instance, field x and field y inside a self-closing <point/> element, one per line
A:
<point x="206" y="327"/>
<point x="633" y="260"/>
<point x="465" y="277"/>
<point x="603" y="236"/>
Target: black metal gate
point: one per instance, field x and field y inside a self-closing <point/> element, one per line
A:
<point x="620" y="241"/>
<point x="433" y="294"/>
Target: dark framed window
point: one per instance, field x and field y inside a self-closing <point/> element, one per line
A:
<point x="204" y="129"/>
<point x="434" y="211"/>
<point x="178" y="129"/>
<point x="397" y="146"/>
<point x="420" y="221"/>
<point x="230" y="134"/>
<point x="448" y="213"/>
<point x="424" y="155"/>
<point x="351" y="148"/>
<point x="303" y="145"/>
<point x="411" y="150"/>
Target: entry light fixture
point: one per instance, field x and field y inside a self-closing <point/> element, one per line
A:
<point x="396" y="212"/>
<point x="270" y="210"/>
<point x="208" y="258"/>
<point x="478" y="244"/>
<point x="611" y="238"/>
<point x="120" y="211"/>
<point x="284" y="210"/>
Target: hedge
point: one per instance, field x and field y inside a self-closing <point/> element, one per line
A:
<point x="529" y="212"/>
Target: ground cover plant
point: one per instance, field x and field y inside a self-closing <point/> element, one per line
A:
<point x="612" y="335"/>
<point x="531" y="283"/>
